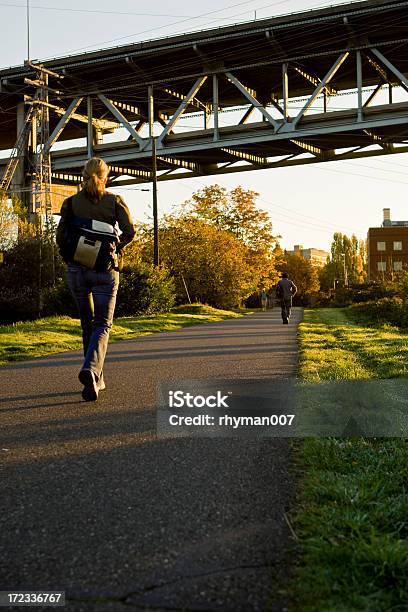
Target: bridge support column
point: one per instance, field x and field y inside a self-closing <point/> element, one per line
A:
<point x="89" y="128"/>
<point x="215" y="107"/>
<point x="31" y="163"/>
<point x="18" y="184"/>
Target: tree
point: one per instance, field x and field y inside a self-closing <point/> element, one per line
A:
<point x="327" y="276"/>
<point x="208" y="264"/>
<point x="279" y="257"/>
<point x="303" y="273"/>
<point x="221" y="243"/>
<point x="8" y="221"/>
<point x="347" y="265"/>
<point x="236" y="212"/>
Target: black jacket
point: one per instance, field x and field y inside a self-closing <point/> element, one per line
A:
<point x="110" y="209"/>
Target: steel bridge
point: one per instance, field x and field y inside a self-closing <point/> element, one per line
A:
<point x="255" y="95"/>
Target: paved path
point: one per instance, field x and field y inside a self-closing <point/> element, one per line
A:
<point x="93" y="503"/>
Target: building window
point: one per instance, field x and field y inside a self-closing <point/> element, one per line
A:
<point x="397" y="266"/>
<point x="380" y="246"/>
<point x="381" y="266"/>
<point x="397" y="245"/>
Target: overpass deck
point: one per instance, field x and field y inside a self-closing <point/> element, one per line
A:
<point x="267" y="76"/>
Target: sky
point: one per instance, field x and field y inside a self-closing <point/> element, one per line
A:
<point x="307" y="204"/>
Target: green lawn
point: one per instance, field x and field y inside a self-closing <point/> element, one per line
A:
<point x="57" y="334"/>
<point x="352" y="522"/>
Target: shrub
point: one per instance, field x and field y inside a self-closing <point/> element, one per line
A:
<point x="19" y="276"/>
<point x="195" y="308"/>
<point x="355" y="294"/>
<point x="58" y="300"/>
<point x="19" y="304"/>
<point x="391" y="310"/>
<point x="145" y="289"/>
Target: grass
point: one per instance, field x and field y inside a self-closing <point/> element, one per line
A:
<point x="335" y="347"/>
<point x="352" y="522"/>
<point x="50" y="335"/>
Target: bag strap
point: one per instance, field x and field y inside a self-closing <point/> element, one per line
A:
<point x="115" y="195"/>
<point x="69" y="208"/>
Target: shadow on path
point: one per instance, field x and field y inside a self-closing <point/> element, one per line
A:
<point x="101" y="507"/>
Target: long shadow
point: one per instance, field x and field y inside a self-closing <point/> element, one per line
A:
<point x="66" y="430"/>
<point x="17" y="398"/>
<point x="100" y="507"/>
<point x="104" y="420"/>
<point x="165" y="354"/>
<point x="195" y="336"/>
<point x="156" y="519"/>
<point x="250" y="321"/>
<point x="181" y="335"/>
<point x="71" y="356"/>
<point x="36" y="406"/>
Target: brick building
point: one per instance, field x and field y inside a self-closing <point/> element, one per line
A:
<point x="387" y="248"/>
<point x="315" y="256"/>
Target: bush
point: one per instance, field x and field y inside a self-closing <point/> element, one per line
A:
<point x="356" y="294"/>
<point x="19" y="277"/>
<point x="18" y="304"/>
<point x="58" y="300"/>
<point x="195" y="308"/>
<point x="22" y="304"/>
<point x="391" y="310"/>
<point x="145" y="289"/>
<point x="254" y="300"/>
<point x="142" y="289"/>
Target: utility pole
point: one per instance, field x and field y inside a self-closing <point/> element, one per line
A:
<point x="154" y="176"/>
<point x="155" y="215"/>
<point x="42" y="162"/>
<point x="41" y="179"/>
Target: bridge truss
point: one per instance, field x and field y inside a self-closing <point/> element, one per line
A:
<point x="284" y="91"/>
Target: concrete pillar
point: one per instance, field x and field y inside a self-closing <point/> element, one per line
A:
<point x="18" y="182"/>
<point x="30" y="165"/>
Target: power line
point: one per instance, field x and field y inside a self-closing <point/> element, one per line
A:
<point x="199" y="17"/>
<point x="372" y="178"/>
<point x="322" y="226"/>
<point x="73" y="10"/>
<point x="357" y="164"/>
<point x="168" y="25"/>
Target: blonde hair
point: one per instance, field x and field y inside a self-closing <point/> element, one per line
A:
<point x="94" y="173"/>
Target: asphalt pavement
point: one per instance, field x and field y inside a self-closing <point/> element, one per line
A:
<point x="94" y="503"/>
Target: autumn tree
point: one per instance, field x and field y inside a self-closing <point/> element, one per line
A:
<point x="236" y="212"/>
<point x="303" y="273"/>
<point x="279" y="257"/>
<point x="208" y="264"/>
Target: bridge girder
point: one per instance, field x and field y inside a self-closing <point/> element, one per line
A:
<point x="259" y="70"/>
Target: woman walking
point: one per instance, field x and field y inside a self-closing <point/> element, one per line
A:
<point x="264" y="298"/>
<point x="91" y="245"/>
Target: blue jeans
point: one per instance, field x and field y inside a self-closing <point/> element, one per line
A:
<point x="95" y="296"/>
